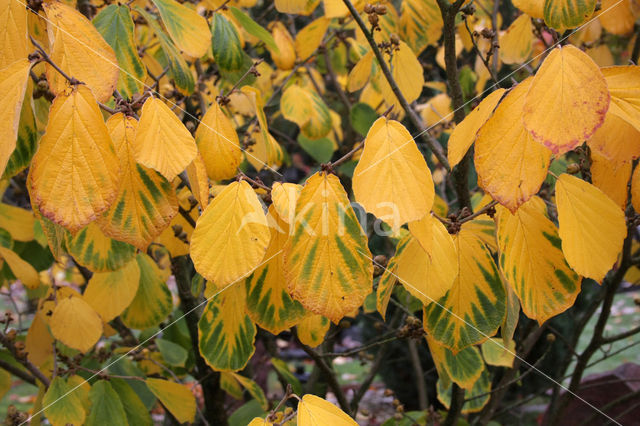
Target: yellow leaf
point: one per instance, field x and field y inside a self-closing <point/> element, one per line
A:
<point x="75" y="323"/>
<point x="497" y="354"/>
<point x="309" y="38"/>
<point x="18" y="222"/>
<point x="601" y="55"/>
<point x="75" y="172"/>
<point x="298" y="7"/>
<point x="464" y="134"/>
<point x="464" y="368"/>
<point x="421" y="23"/>
<point x="176" y="397"/>
<point x="13" y="41"/>
<point x="13" y="85"/>
<point x="218" y="144"/>
<point x="392" y="179"/>
<point x="39" y="342"/>
<point x="407" y="73"/>
<point x="285" y="196"/>
<point x="162" y="142"/>
<point x="313" y="411"/>
<point x="516" y="43"/>
<point x="567" y="14"/>
<point x="234" y="224"/>
<point x="226" y="333"/>
<point x="152" y="302"/>
<point x="511" y="165"/>
<point x="437" y="110"/>
<point x="197" y="175"/>
<point x="360" y="73"/>
<point x="532" y="262"/>
<point x="80" y="51"/>
<point x="266" y="151"/>
<point x="307" y="109"/>
<point x="285" y="57"/>
<point x="611" y="177"/>
<point x="570" y="85"/>
<point x="188" y="30"/>
<point x="21" y="268"/>
<point x="146" y="201"/>
<point x="268" y="303"/>
<point x="592" y="227"/>
<point x="624" y="86"/>
<point x="533" y="8"/>
<point x="312" y="329"/>
<point x="427" y="275"/>
<point x="473" y="309"/>
<point x="168" y="238"/>
<point x="617" y="139"/>
<point x="109" y="293"/>
<point x="617" y="17"/>
<point x="97" y="252"/>
<point x="327" y="262"/>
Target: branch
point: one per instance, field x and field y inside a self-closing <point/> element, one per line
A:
<point x="348" y="155"/>
<point x="329" y="376"/>
<point x="620" y="336"/>
<point x="332" y="76"/>
<point x="426" y="137"/>
<point x="423" y="400"/>
<point x="461" y="171"/>
<point x="23" y="375"/>
<point x="457" y="401"/>
<point x="21" y="357"/>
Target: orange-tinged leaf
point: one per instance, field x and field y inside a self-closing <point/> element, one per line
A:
<point x="109" y="293"/>
<point x="464" y="134"/>
<point x="162" y="142"/>
<point x="511" y="165"/>
<point x="617" y="139"/>
<point x="570" y="85"/>
<point x="265" y="152"/>
<point x="20" y="268"/>
<point x="427" y="275"/>
<point x="309" y="38"/>
<point x="285" y="196"/>
<point x="313" y="411"/>
<point x="592" y="227"/>
<point x="234" y="223"/>
<point x="13" y="85"/>
<point x="312" y="329"/>
<point x="611" y="177"/>
<point x="533" y="8"/>
<point x="80" y="51"/>
<point x="516" y="43"/>
<point x="176" y="397"/>
<point x="624" y="86"/>
<point x="617" y="17"/>
<point x="392" y="179"/>
<point x="146" y="201"/>
<point x="13" y="40"/>
<point x="268" y="302"/>
<point x="532" y="262"/>
<point x="39" y="342"/>
<point x="75" y="172"/>
<point x="75" y="323"/>
<point x="218" y="144"/>
<point x="635" y="189"/>
<point x="199" y="181"/>
<point x="188" y="30"/>
<point x="327" y="262"/>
